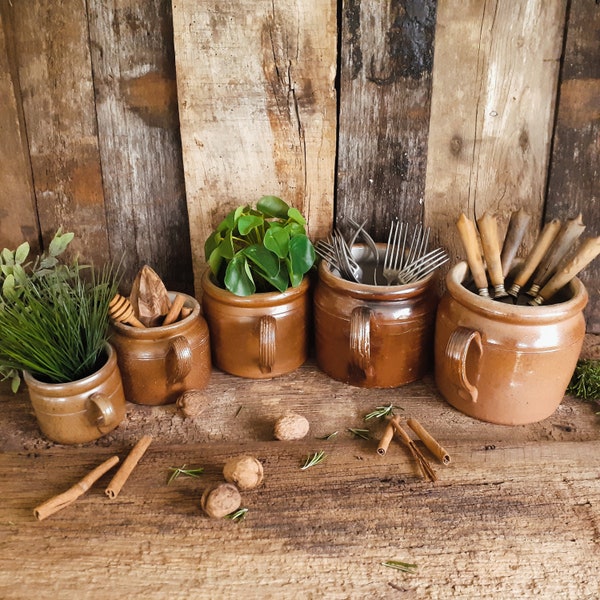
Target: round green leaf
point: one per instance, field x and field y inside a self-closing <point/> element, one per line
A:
<point x="238" y="277"/>
<point x="21" y="253"/>
<point x="273" y="206"/>
<point x="277" y="240"/>
<point x="265" y="260"/>
<point x="296" y="215"/>
<point x="302" y="254"/>
<point x="247" y="223"/>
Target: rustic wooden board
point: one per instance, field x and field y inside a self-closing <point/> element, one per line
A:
<point x="513" y="515"/>
<point x="53" y="59"/>
<point x="140" y="147"/>
<point x="18" y="220"/>
<point x="573" y="175"/>
<point x="492" y="109"/>
<point x="385" y="90"/>
<point x="257" y="108"/>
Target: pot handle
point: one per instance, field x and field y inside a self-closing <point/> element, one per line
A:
<point x="360" y="339"/>
<point x="181" y="362"/>
<point x="267" y="343"/>
<point x="457" y="350"/>
<point x="105" y="415"/>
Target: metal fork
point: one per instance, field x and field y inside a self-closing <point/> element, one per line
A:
<point x="360" y="230"/>
<point x="350" y="269"/>
<point x="420" y="268"/>
<point x="394" y="251"/>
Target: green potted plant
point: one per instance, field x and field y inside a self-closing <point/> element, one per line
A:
<point x="255" y="290"/>
<point x="54" y="328"/>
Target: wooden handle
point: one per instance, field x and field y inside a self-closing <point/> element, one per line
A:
<point x="586" y="253"/>
<point x="543" y="242"/>
<point x="468" y="236"/>
<point x="517" y="226"/>
<point x="567" y="236"/>
<point x="120" y="310"/>
<point x="175" y="310"/>
<point x="488" y="229"/>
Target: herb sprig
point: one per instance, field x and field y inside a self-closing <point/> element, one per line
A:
<point x="183" y="470"/>
<point x="400" y="566"/>
<point x="313" y="460"/>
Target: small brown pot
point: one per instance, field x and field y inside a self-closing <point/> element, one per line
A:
<point x="259" y="336"/>
<point x="159" y="363"/>
<point x="504" y="363"/>
<point x="79" y="411"/>
<point x="374" y="336"/>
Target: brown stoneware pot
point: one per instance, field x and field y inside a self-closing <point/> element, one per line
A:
<point x="503" y="363"/>
<point x="259" y="336"/>
<point x="159" y="363"/>
<point x="374" y="336"/>
<point x="79" y="411"/>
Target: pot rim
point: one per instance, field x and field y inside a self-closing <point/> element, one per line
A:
<point x="71" y="388"/>
<point x="210" y="288"/>
<point x="512" y="312"/>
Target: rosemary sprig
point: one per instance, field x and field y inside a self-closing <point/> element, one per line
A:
<point x="585" y="382"/>
<point x="329" y="436"/>
<point x="238" y="515"/>
<point x="313" y="460"/>
<point x="400" y="566"/>
<point x="382" y="411"/>
<point x="183" y="470"/>
<point x="365" y="434"/>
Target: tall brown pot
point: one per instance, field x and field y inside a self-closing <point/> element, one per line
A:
<point x="259" y="336"/>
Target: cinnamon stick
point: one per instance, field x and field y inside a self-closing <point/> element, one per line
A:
<point x="384" y="443"/>
<point x="432" y="445"/>
<point x="63" y="500"/>
<point x="175" y="310"/>
<point x="417" y="454"/>
<point x="121" y="476"/>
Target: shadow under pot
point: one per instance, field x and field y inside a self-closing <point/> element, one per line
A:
<point x="259" y="336"/>
<point x="79" y="411"/>
<point x="159" y="363"/>
<point x="374" y="336"/>
<point x="503" y="363"/>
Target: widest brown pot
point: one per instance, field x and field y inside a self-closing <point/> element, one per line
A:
<point x="375" y="336"/>
<point x="159" y="363"/>
<point x="259" y="336"/>
<point x="503" y="363"/>
<point x="79" y="411"/>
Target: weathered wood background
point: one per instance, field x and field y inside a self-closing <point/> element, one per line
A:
<point x="138" y="125"/>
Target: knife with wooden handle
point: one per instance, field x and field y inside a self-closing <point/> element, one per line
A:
<point x="488" y="230"/>
<point x="567" y="236"/>
<point x="586" y="253"/>
<point x="517" y="226"/>
<point x="468" y="236"/>
<point x="543" y="242"/>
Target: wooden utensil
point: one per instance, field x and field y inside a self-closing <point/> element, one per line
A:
<point x="468" y="236"/>
<point x="149" y="297"/>
<point x="543" y="242"/>
<point x="175" y="310"/>
<point x="517" y="226"/>
<point x="488" y="230"/>
<point x="567" y="236"/>
<point x="586" y="253"/>
<point x="120" y="310"/>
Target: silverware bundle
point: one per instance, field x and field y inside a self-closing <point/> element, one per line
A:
<point x="406" y="259"/>
<point x="548" y="267"/>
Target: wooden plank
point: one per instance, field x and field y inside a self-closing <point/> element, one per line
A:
<point x="18" y="219"/>
<point x="60" y="116"/>
<point x="494" y="88"/>
<point x="257" y="108"/>
<point x="385" y="91"/>
<point x="136" y="100"/>
<point x="511" y="500"/>
<point x="575" y="163"/>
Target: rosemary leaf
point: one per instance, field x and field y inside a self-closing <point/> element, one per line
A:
<point x="585" y="382"/>
<point x="382" y="411"/>
<point x="329" y="436"/>
<point x="365" y="434"/>
<point x="238" y="515"/>
<point x="400" y="566"/>
<point x="313" y="460"/>
<point x="183" y="470"/>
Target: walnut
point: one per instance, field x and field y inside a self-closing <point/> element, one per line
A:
<point x="192" y="403"/>
<point x="220" y="500"/>
<point x="244" y="471"/>
<point x="291" y="427"/>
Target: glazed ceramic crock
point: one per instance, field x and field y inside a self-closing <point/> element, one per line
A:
<point x="259" y="336"/>
<point x="79" y="411"/>
<point x="504" y="363"/>
<point x="375" y="336"/>
<point x="159" y="363"/>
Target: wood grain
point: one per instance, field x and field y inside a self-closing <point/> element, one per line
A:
<point x="512" y="501"/>
<point x="142" y="169"/>
<point x="257" y="108"/>
<point x="493" y="101"/>
<point x="385" y="89"/>
<point x="575" y="161"/>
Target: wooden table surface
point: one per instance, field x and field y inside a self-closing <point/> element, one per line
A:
<point x="514" y="515"/>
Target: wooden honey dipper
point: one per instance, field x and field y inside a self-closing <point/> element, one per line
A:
<point x="120" y="310"/>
